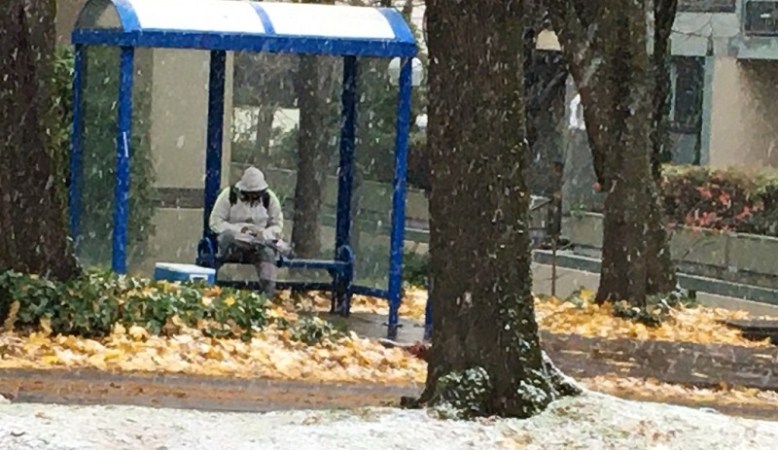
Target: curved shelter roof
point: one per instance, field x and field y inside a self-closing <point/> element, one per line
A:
<point x="246" y="26"/>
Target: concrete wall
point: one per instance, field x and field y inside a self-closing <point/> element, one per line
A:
<point x="570" y="280"/>
<point x="743" y="129"/>
<point x="737" y="258"/>
<point x="695" y="34"/>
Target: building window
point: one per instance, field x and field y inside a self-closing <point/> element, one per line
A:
<point x="761" y="18"/>
<point x="688" y="80"/>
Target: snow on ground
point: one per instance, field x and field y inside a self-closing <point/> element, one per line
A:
<point x="593" y="421"/>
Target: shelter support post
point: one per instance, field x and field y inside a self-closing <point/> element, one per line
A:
<point x="398" y="200"/>
<point x="123" y="136"/>
<point x="213" y="158"/>
<point x="76" y="143"/>
<point x="343" y="279"/>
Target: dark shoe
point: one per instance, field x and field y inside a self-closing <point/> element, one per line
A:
<point x="268" y="288"/>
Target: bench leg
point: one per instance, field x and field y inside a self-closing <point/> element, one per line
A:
<point x="342" y="281"/>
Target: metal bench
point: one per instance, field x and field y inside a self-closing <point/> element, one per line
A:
<point x="341" y="270"/>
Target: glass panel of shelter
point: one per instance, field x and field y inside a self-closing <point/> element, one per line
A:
<point x="374" y="175"/>
<point x="170" y="98"/>
<point x="271" y="95"/>
<point x="100" y="81"/>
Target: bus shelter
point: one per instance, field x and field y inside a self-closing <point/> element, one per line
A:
<point x="221" y="26"/>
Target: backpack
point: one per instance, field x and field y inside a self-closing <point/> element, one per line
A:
<point x="235" y="192"/>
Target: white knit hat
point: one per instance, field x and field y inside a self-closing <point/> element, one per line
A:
<point x="253" y="180"/>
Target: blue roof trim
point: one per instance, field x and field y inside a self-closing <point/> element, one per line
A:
<point x="127" y="15"/>
<point x="198" y="40"/>
<point x="402" y="32"/>
<point x="264" y="17"/>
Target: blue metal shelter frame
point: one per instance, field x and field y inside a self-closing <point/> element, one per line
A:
<point x="120" y="23"/>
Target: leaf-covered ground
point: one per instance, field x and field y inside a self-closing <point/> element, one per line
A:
<point x="272" y="353"/>
<point x="685" y="324"/>
<point x="276" y="352"/>
<point x="583" y="317"/>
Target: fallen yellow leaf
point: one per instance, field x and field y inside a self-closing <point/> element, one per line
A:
<point x="8" y="325"/>
<point x="138" y="333"/>
<point x="45" y="325"/>
<point x="50" y="359"/>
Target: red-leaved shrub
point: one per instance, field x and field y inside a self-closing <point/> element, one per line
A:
<point x="737" y="200"/>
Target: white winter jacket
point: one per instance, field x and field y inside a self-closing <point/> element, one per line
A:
<point x="234" y="218"/>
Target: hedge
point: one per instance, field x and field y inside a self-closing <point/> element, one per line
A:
<point x="94" y="304"/>
<point x="735" y="200"/>
<point x="91" y="306"/>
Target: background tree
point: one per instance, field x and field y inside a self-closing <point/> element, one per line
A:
<point x="315" y="147"/>
<point x="262" y="82"/>
<point x="624" y="88"/>
<point x="485" y="337"/>
<point x="34" y="234"/>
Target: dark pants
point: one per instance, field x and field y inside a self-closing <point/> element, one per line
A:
<point x="262" y="258"/>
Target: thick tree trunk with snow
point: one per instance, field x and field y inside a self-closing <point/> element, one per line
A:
<point x="484" y="320"/>
<point x="33" y="227"/>
<point x="606" y="45"/>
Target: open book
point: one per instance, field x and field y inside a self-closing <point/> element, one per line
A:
<point x="249" y="238"/>
<point x="280" y="246"/>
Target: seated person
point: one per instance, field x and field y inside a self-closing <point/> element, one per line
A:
<point x="248" y="221"/>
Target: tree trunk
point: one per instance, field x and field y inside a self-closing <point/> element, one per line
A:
<point x="647" y="223"/>
<point x="605" y="44"/>
<point x="314" y="89"/>
<point x="312" y="159"/>
<point x="264" y="130"/>
<point x="479" y="245"/>
<point x="34" y="235"/>
<point x="664" y="16"/>
<point x="661" y="273"/>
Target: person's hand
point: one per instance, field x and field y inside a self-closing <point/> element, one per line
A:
<point x="269" y="235"/>
<point x="249" y="230"/>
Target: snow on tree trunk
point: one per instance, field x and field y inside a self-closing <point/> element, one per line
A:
<point x="34" y="234"/>
<point x="485" y="358"/>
